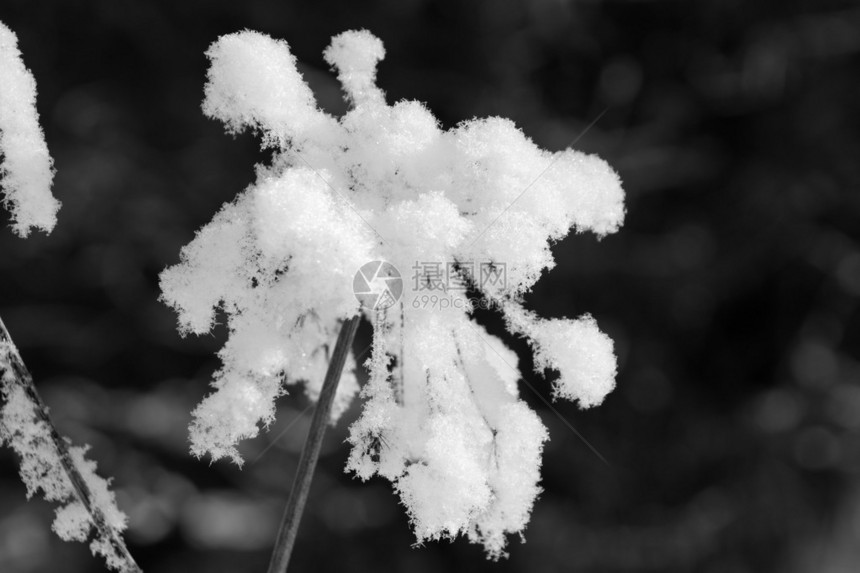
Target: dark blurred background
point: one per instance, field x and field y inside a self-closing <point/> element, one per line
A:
<point x="733" y="437"/>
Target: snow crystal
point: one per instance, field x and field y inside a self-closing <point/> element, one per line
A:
<point x="72" y="522"/>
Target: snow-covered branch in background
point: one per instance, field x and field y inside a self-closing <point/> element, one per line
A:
<point x="442" y="418"/>
<point x="60" y="471"/>
<point x="27" y="169"/>
<point x="49" y="463"/>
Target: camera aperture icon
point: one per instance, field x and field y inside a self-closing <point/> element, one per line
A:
<point x="377" y="285"/>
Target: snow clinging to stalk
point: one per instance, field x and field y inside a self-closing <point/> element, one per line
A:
<point x="442" y="418"/>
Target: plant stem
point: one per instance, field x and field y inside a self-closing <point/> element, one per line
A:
<point x="310" y="453"/>
<point x="21" y="376"/>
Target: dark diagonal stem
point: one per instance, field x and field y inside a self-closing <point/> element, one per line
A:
<point x="311" y="451"/>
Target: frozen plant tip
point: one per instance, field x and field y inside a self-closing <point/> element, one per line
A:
<point x="442" y="418"/>
<point x="27" y="168"/>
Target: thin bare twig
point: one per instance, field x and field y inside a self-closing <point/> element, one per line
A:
<point x="310" y="453"/>
<point x="21" y="377"/>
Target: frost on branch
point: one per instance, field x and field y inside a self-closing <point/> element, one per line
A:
<point x="27" y="170"/>
<point x="442" y="418"/>
<point x="42" y="469"/>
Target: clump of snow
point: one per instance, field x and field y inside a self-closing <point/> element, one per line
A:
<point x="355" y="56"/>
<point x="232" y="413"/>
<point x="27" y="170"/>
<point x="253" y="82"/>
<point x="442" y="418"/>
<point x="579" y="351"/>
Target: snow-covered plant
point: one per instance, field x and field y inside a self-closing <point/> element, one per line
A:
<point x="27" y="169"/>
<point x="48" y="462"/>
<point x="442" y="419"/>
